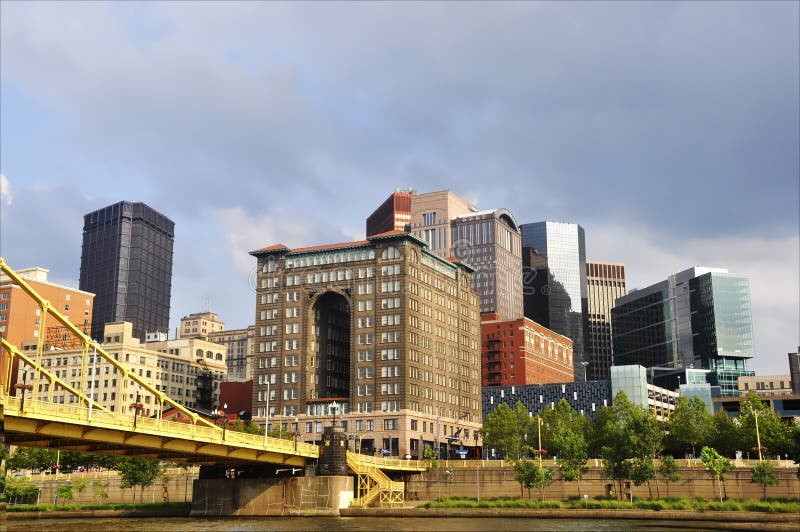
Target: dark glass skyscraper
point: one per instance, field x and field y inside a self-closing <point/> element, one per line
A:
<point x="554" y="280"/>
<point x="699" y="318"/>
<point x="126" y="260"/>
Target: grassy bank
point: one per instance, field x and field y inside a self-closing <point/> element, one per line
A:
<point x="671" y="503"/>
<point x="163" y="506"/>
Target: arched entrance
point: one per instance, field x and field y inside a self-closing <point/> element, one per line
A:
<point x="331" y="336"/>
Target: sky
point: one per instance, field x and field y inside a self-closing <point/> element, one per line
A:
<point x="669" y="130"/>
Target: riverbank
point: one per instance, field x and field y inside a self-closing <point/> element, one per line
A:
<point x="722" y="520"/>
<point x="171" y="511"/>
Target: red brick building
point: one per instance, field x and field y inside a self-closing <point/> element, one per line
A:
<point x="394" y="214"/>
<point x="520" y="351"/>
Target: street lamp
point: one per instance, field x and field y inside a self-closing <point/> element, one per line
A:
<point x="137" y="405"/>
<point x="758" y="434"/>
<point x="23" y="387"/>
<point x="334" y="407"/>
<point x="584" y="363"/>
<point x="266" y="412"/>
<point x="220" y="414"/>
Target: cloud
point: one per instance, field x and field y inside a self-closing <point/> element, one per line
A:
<point x="5" y="191"/>
<point x="627" y="108"/>
<point x="770" y="263"/>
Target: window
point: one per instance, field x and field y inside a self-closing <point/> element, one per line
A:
<point x="390" y="319"/>
<point x="365" y="339"/>
<point x="365" y="304"/>
<point x="391" y="253"/>
<point x="365" y="355"/>
<point x="390" y="424"/>
<point x="394" y="269"/>
<point x="365" y="288"/>
<point x="365" y="322"/>
<point x="390" y="337"/>
<point x="364" y="373"/>
<point x="428" y="218"/>
<point x="364" y="390"/>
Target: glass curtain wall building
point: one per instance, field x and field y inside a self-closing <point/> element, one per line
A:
<point x="554" y="280"/>
<point x="126" y="260"/>
<point x="698" y="318"/>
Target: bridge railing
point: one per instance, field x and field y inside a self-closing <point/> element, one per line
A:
<point x="45" y="410"/>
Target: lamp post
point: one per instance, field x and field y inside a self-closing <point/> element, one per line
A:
<point x="136" y="406"/>
<point x="266" y="413"/>
<point x="23" y="387"/>
<point x="217" y="414"/>
<point x="539" y="424"/>
<point x="584" y="363"/>
<point x="758" y="434"/>
<point x="334" y="407"/>
<point x="91" y="393"/>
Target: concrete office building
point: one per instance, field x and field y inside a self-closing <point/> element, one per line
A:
<point x="383" y="329"/>
<point x="606" y="282"/>
<point x="240" y="347"/>
<point x="554" y="279"/>
<point x="200" y="325"/>
<point x="490" y="242"/>
<point x="698" y="318"/>
<point x="189" y="371"/>
<point x="519" y="352"/>
<point x="431" y="214"/>
<point x="126" y="260"/>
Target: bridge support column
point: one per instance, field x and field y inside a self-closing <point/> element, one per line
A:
<point x="333" y="453"/>
<point x="264" y="496"/>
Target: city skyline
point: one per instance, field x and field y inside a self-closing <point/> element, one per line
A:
<point x="668" y="131"/>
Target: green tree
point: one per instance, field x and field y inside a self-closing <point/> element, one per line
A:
<point x="138" y="472"/>
<point x="561" y="418"/>
<point x="20" y="489"/>
<point x="31" y="458"/>
<point x="430" y="456"/>
<point x="100" y="489"/>
<point x="669" y="470"/>
<point x="725" y="437"/>
<point x="65" y="492"/>
<point x="717" y="464"/>
<point x="776" y="436"/>
<point x="247" y="428"/>
<point x="764" y="474"/>
<point x="573" y="454"/>
<point x="79" y="485"/>
<point x="523" y="473"/>
<point x="506" y="429"/>
<point x="689" y="426"/>
<point x="530" y="475"/>
<point x="628" y="437"/>
<point x="542" y="476"/>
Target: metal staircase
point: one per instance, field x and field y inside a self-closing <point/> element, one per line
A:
<point x="374" y="486"/>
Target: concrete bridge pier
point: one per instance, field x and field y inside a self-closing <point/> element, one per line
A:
<point x="280" y="490"/>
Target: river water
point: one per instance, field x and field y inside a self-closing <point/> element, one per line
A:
<point x="328" y="524"/>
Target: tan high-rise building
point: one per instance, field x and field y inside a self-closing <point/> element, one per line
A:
<point x="382" y="327"/>
<point x="490" y="242"/>
<point x="239" y="344"/>
<point x="431" y="214"/>
<point x="200" y="325"/>
<point x="606" y="282"/>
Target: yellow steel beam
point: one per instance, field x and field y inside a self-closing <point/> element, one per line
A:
<point x="87" y="342"/>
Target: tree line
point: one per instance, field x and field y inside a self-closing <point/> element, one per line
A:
<point x="634" y="445"/>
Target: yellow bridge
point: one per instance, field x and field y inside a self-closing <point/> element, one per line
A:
<point x="86" y="425"/>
